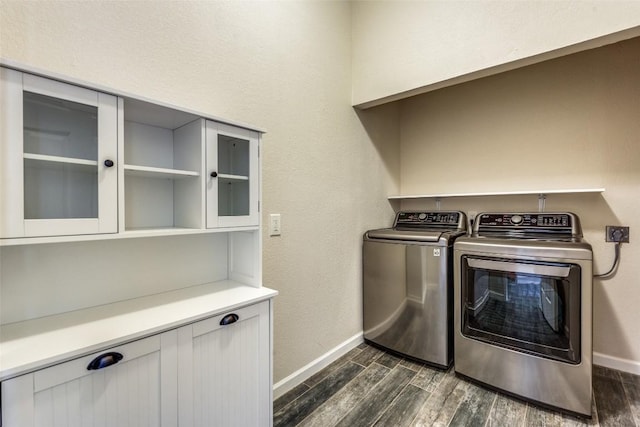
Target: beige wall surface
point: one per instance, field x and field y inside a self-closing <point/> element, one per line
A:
<point x="281" y="66"/>
<point x="408" y="47"/>
<point x="572" y="122"/>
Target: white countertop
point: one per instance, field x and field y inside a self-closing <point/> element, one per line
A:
<point x="35" y="344"/>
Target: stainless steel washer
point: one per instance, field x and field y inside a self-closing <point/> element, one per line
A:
<point x="523" y="297"/>
<point x="408" y="285"/>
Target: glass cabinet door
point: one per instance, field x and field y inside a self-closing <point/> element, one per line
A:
<point x="60" y="158"/>
<point x="62" y="141"/>
<point x="232" y="165"/>
<point x="234" y="176"/>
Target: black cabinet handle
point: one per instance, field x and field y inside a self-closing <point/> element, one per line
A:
<point x="105" y="360"/>
<point x="108" y="163"/>
<point x="229" y="319"/>
<point x="213" y="174"/>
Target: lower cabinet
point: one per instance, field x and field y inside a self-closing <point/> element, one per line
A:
<point x="203" y="374"/>
<point x="224" y="370"/>
<point x="129" y="392"/>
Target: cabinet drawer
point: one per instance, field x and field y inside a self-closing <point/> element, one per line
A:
<point x="123" y="392"/>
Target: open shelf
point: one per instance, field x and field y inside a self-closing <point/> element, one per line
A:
<point x="162" y="172"/>
<point x="153" y="172"/>
<point x="497" y="193"/>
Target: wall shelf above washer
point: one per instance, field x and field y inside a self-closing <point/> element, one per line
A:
<point x="497" y="193"/>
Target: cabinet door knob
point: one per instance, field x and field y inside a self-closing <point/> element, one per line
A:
<point x="229" y="319"/>
<point x="105" y="360"/>
<point x="108" y="163"/>
<point x="213" y="174"/>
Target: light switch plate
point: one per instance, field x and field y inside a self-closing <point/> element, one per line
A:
<point x="274" y="225"/>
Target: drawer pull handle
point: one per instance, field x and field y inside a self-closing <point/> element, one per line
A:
<point x="229" y="319"/>
<point x="105" y="360"/>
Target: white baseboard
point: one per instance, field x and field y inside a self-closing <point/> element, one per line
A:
<point x="612" y="362"/>
<point x="286" y="384"/>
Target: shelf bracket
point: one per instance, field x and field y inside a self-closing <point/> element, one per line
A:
<point x="438" y="204"/>
<point x="542" y="200"/>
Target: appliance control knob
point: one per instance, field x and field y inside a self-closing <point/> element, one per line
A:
<point x="516" y="219"/>
<point x="422" y="216"/>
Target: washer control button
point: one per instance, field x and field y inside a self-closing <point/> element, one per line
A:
<point x="516" y="219"/>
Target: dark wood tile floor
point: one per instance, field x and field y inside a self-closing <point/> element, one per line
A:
<point x="369" y="387"/>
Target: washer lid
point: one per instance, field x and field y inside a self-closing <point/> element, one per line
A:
<point x="411" y="235"/>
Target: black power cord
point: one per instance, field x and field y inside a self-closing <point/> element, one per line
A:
<point x="614" y="266"/>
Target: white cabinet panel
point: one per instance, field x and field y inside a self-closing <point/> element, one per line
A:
<point x="224" y="370"/>
<point x="126" y="394"/>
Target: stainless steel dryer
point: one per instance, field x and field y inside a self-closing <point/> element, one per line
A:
<point x="408" y="285"/>
<point x="523" y="307"/>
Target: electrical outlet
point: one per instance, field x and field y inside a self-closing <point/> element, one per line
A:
<point x="616" y="233"/>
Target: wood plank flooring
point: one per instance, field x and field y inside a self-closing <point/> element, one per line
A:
<point x="370" y="387"/>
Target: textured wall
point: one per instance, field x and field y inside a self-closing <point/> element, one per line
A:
<point x="414" y="46"/>
<point x="282" y="66"/>
<point x="567" y="123"/>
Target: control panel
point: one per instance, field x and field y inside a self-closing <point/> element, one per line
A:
<point x="565" y="222"/>
<point x="430" y="219"/>
<point x="525" y="220"/>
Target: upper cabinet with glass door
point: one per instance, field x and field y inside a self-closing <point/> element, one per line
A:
<point x="232" y="180"/>
<point x="58" y="148"/>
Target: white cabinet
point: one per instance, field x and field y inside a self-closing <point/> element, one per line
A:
<point x="224" y="367"/>
<point x="78" y="164"/>
<point x="76" y="161"/>
<point x="214" y="372"/>
<point x="137" y="391"/>
<point x="232" y="176"/>
<point x="57" y="158"/>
